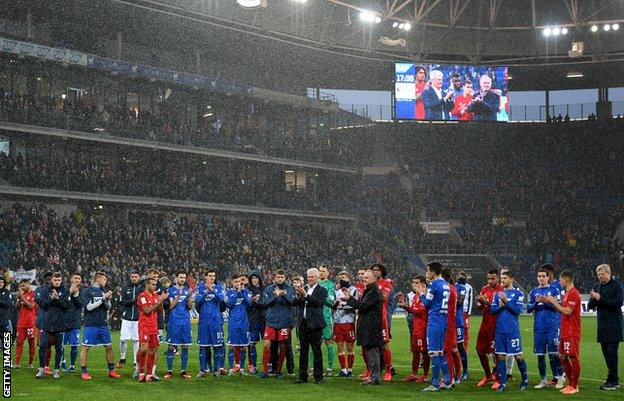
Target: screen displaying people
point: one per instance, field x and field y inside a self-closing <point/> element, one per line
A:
<point x="450" y="92"/>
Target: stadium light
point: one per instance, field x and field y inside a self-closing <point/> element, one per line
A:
<point x="407" y="26"/>
<point x="615" y="27"/>
<point x="401" y="25"/>
<point x="395" y="24"/>
<point x="369" y="16"/>
<point x="547" y="32"/>
<point x="251" y="4"/>
<point x="607" y="27"/>
<point x="594" y="28"/>
<point x="556" y="31"/>
<point x="564" y="31"/>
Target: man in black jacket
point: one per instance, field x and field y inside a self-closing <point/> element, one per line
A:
<point x="6" y="306"/>
<point x="74" y="316"/>
<point x="129" y="319"/>
<point x="311" y="325"/>
<point x="256" y="314"/>
<point x="607" y="299"/>
<point x="369" y="335"/>
<point x="54" y="300"/>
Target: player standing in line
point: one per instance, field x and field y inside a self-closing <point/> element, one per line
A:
<point x="129" y="320"/>
<point x="436" y="300"/>
<point x="237" y="300"/>
<point x="72" y="336"/>
<point x="96" y="332"/>
<point x="210" y="295"/>
<point x="545" y="325"/>
<point x="485" y="338"/>
<point x="278" y="298"/>
<point x="385" y="286"/>
<point x="508" y="305"/>
<point x="460" y="330"/>
<point x="418" y="332"/>
<point x="148" y="304"/>
<point x="179" y="330"/>
<point x="27" y="309"/>
<point x="555" y="362"/>
<point x="451" y="353"/>
<point x="344" y="324"/>
<point x="256" y="315"/>
<point x="569" y="344"/>
<point x="328" y="331"/>
<point x="54" y="302"/>
<point x="462" y="279"/>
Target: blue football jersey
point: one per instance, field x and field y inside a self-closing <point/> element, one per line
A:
<point x="436" y="300"/>
<point x="99" y="316"/>
<point x="459" y="315"/>
<point x="547" y="318"/>
<point x="180" y="313"/>
<point x="208" y="303"/>
<point x="507" y="321"/>
<point x="237" y="303"/>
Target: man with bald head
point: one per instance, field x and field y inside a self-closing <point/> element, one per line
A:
<point x="437" y="103"/>
<point x="485" y="102"/>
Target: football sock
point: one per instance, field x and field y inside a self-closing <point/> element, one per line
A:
<point x="169" y="359"/>
<point x="184" y="358"/>
<point x="522" y="367"/>
<point x="342" y="358"/>
<point x="485" y="364"/>
<point x="73" y="355"/>
<point x="415" y="362"/>
<point x="576" y="371"/>
<point x="243" y="357"/>
<point x="123" y="346"/>
<point x="330" y="355"/>
<point x="426" y="364"/>
<point x="541" y="366"/>
<point x="445" y="370"/>
<point x="435" y="373"/>
<point x="502" y="372"/>
<point x="231" y="357"/>
<point x="464" y="357"/>
<point x="253" y="355"/>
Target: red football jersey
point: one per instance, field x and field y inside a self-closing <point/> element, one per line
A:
<point x="489" y="320"/>
<point x="419" y="312"/>
<point x="385" y="286"/>
<point x="27" y="316"/>
<point x="452" y="311"/>
<point x="460" y="102"/>
<point x="360" y="287"/>
<point x="571" y="325"/>
<point x="148" y="322"/>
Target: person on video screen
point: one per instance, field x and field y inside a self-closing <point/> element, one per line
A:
<point x="437" y="103"/>
<point x="460" y="109"/>
<point x="421" y="84"/>
<point x="486" y="102"/>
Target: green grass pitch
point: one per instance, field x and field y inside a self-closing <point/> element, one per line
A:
<point x="231" y="388"/>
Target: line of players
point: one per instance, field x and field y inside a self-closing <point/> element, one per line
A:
<point x="256" y="313"/>
<point x="440" y="317"/>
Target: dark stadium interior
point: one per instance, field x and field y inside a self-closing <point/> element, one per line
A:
<point x="169" y="134"/>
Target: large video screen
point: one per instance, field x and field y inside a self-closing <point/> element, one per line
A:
<point x="450" y="92"/>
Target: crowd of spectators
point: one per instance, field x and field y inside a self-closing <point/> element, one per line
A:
<point x="159" y="176"/>
<point x="120" y="240"/>
<point x="240" y="125"/>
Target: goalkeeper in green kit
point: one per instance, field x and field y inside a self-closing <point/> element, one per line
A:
<point x="328" y="331"/>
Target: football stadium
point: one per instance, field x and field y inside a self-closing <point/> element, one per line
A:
<point x="312" y="199"/>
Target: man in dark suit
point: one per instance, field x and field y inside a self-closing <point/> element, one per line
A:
<point x="369" y="335"/>
<point x="607" y="299"/>
<point x="437" y="104"/>
<point x="485" y="103"/>
<point x="311" y="325"/>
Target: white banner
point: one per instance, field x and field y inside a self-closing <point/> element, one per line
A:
<point x="585" y="311"/>
<point x="43" y="52"/>
<point x="20" y="275"/>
